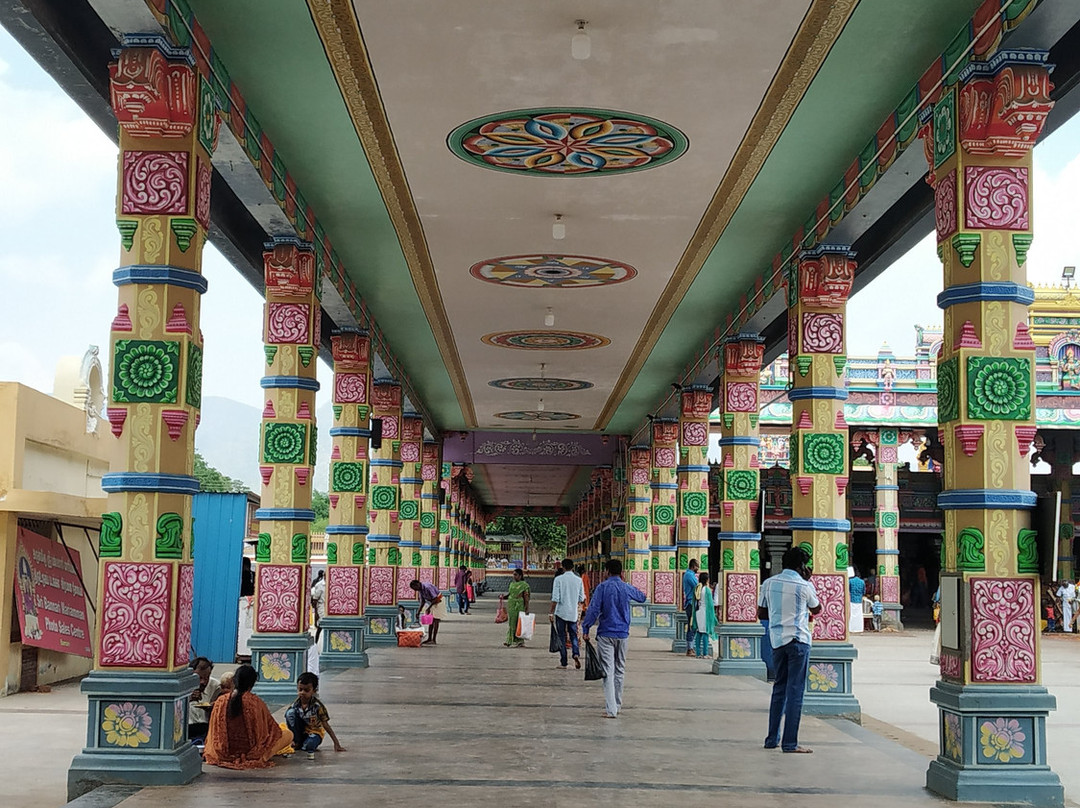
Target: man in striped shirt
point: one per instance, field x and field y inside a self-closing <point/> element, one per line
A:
<point x="787" y="601"/>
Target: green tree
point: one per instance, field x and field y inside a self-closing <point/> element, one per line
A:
<point x="212" y="480"/>
<point x="320" y="503"/>
<point x="543" y="532"/>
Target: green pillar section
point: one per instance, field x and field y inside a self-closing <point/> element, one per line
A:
<point x="429" y="513"/>
<point x="887" y="521"/>
<point x="343" y="627"/>
<point x="639" y="502"/>
<point x="287" y="457"/>
<point x="666" y="587"/>
<point x="446" y="548"/>
<point x="412" y="557"/>
<point x="978" y="139"/>
<point x="739" y="490"/>
<point x="384" y="587"/>
<point x="818" y="291"/>
<point x="692" y="474"/>
<point x="138" y="691"/>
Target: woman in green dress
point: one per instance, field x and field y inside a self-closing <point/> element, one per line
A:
<point x="516" y="602"/>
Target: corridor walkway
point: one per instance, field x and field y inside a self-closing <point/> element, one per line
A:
<point x="471" y="722"/>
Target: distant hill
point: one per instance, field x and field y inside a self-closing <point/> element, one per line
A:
<point x="228" y="437"/>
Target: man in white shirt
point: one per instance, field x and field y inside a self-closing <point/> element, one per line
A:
<point x="787" y="601"/>
<point x="1067" y="593"/>
<point x="567" y="595"/>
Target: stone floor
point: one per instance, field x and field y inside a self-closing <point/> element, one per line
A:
<point x="470" y="721"/>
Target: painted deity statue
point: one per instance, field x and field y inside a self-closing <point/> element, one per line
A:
<point x="1069" y="368"/>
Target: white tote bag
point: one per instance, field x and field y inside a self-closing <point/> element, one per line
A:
<point x="525" y="626"/>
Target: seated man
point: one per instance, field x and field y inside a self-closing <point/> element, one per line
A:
<point x="202" y="698"/>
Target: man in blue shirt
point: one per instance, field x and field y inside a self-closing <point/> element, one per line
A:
<point x="689" y="584"/>
<point x="567" y="595"/>
<point x="610" y="605"/>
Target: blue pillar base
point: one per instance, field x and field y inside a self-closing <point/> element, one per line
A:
<point x="343" y="642"/>
<point x="739" y="650"/>
<point x="153" y="715"/>
<point x="678" y="644"/>
<point x="964" y="771"/>
<point x="662" y="621"/>
<point x="279" y="660"/>
<point x="828" y="682"/>
<point x="380" y="625"/>
<point x="639" y="614"/>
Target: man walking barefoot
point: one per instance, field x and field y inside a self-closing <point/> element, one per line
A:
<point x="610" y="605"/>
<point x="787" y="601"/>
<point x="567" y="595"/>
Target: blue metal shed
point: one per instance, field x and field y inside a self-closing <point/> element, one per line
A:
<point x="220" y="527"/>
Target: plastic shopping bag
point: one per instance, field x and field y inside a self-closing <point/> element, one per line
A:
<point x="594" y="668"/>
<point x="469" y="593"/>
<point x="525" y="626"/>
<point x="553" y="644"/>
<point x="501" y="616"/>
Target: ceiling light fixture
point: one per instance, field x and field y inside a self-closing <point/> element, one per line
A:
<point x="549" y="318"/>
<point x="580" y="44"/>
<point x="558" y="229"/>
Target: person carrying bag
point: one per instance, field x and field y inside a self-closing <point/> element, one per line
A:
<point x="594" y="668"/>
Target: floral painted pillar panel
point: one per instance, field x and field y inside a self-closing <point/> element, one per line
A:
<point x="429" y="513"/>
<point x="348" y="527"/>
<point x="887" y="519"/>
<point x="666" y="591"/>
<point x="138" y="692"/>
<point x="412" y="437"/>
<point x="693" y="475"/>
<point x="978" y="140"/>
<point x="291" y="322"/>
<point x="447" y="555"/>
<point x="639" y="501"/>
<point x="384" y="554"/>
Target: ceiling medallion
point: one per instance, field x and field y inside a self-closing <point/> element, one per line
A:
<point x="536" y="415"/>
<point x="542" y="385"/>
<point x="552" y="271"/>
<point x="567" y="142"/>
<point x="545" y="340"/>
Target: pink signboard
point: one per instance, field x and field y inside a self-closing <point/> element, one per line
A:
<point x="52" y="605"/>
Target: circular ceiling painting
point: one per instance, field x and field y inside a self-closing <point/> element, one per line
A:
<point x="545" y="340"/>
<point x="536" y="415"/>
<point x="552" y="271"/>
<point x="537" y="384"/>
<point x="567" y="142"/>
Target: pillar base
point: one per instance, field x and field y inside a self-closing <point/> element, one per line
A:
<point x="380" y="625"/>
<point x="164" y="758"/>
<point x="963" y="771"/>
<point x="662" y="621"/>
<point x="891" y="617"/>
<point x="279" y="660"/>
<point x="343" y="642"/>
<point x="828" y="682"/>
<point x="739" y="650"/>
<point x="639" y="614"/>
<point x="678" y="644"/>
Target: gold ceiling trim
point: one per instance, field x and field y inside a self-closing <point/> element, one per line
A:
<point x="821" y="27"/>
<point x="339" y="29"/>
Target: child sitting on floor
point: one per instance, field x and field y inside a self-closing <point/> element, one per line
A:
<point x="308" y="718"/>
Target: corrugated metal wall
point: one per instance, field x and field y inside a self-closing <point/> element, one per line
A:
<point x="220" y="527"/>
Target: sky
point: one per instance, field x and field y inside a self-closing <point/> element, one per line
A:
<point x="60" y="245"/>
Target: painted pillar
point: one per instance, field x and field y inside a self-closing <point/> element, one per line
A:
<point x="740" y="632"/>
<point x="384" y="555"/>
<point x="287" y="454"/>
<point x="818" y="293"/>
<point x="446" y="546"/>
<point x="429" y="513"/>
<point x="992" y="705"/>
<point x="639" y="500"/>
<point x="343" y="627"/>
<point x="693" y="501"/>
<point x="1060" y="453"/>
<point x="138" y="691"/>
<point x="412" y="557"/>
<point x="887" y="523"/>
<point x="667" y="596"/>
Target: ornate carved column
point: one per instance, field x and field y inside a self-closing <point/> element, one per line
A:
<point x="666" y="589"/>
<point x="639" y="501"/>
<point x="138" y="691"/>
<point x="384" y="555"/>
<point x="887" y="521"/>
<point x="818" y="292"/>
<point x="343" y="627"/>
<point x="446" y="545"/>
<point x="740" y="632"/>
<point x="429" y="513"/>
<point x="412" y="557"/>
<point x="992" y="705"/>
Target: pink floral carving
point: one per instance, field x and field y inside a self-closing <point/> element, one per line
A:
<point x="640" y="579"/>
<point x="350" y="388"/>
<point x="381" y="586"/>
<point x="429" y="472"/>
<point x="888" y="454"/>
<point x="202" y="194"/>
<point x="742" y="397"/>
<point x="945" y="206"/>
<point x="890" y="589"/>
<point x="740" y="590"/>
<point x="823" y="333"/>
<point x="410" y="452"/>
<point x="155" y="183"/>
<point x="639" y="477"/>
<point x="390" y="427"/>
<point x="996" y="197"/>
<point x="1003" y="630"/>
<point x="665" y="457"/>
<point x="664" y="587"/>
<point x="343" y="590"/>
<point x="695" y="433"/>
<point x="185" y="596"/>
<point x="287" y="323"/>
<point x="135" y="615"/>
<point x="831" y="622"/>
<point x="405" y="576"/>
<point x="278" y="603"/>
<point x="427" y="575"/>
<point x="951" y="666"/>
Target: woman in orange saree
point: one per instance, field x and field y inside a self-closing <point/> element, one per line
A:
<point x="243" y="734"/>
